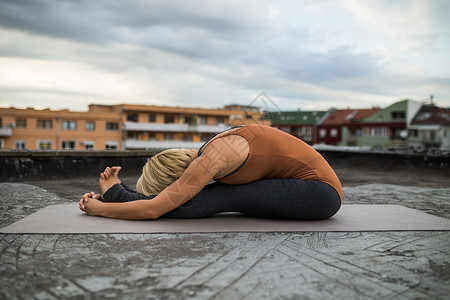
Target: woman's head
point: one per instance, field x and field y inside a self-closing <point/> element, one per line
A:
<point x="163" y="169"/>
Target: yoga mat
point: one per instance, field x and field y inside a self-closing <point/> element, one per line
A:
<point x="67" y="218"/>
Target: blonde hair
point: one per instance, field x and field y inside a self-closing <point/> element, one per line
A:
<point x="163" y="169"/>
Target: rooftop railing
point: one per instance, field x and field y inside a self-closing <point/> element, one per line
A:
<point x="173" y="127"/>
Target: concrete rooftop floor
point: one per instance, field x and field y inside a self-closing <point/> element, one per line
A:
<point x="304" y="265"/>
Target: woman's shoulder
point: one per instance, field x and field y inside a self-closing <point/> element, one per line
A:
<point x="228" y="145"/>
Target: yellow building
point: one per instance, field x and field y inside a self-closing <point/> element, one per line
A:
<point x="58" y="130"/>
<point x="161" y="127"/>
<point x="124" y="126"/>
<point x="246" y="114"/>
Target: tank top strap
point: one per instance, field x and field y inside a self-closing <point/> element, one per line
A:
<point x="215" y="135"/>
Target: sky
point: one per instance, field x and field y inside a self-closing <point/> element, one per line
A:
<point x="303" y="54"/>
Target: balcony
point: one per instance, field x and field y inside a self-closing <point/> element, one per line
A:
<point x="133" y="144"/>
<point x="173" y="127"/>
<point x="6" y="132"/>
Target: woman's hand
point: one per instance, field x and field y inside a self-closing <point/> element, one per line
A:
<point x="92" y="207"/>
<point x="108" y="178"/>
<point x="92" y="195"/>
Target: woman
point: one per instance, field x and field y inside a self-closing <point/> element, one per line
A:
<point x="259" y="171"/>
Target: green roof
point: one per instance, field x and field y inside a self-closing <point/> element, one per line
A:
<point x="294" y="117"/>
<point x="385" y="114"/>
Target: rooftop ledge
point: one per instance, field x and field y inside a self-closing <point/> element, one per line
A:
<point x="77" y="153"/>
<point x="149" y="152"/>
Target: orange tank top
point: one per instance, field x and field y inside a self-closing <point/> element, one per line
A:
<point x="277" y="154"/>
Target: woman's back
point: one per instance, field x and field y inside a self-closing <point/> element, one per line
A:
<point x="276" y="154"/>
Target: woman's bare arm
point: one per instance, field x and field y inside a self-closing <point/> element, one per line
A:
<point x="220" y="157"/>
<point x="193" y="180"/>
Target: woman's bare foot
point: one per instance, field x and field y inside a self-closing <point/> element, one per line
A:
<point x="109" y="178"/>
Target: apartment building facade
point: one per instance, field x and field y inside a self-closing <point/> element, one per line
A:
<point x="124" y="126"/>
<point x="59" y="130"/>
<point x="129" y="126"/>
<point x="162" y="127"/>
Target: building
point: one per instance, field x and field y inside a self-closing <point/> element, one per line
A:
<point x="388" y="127"/>
<point x="162" y="127"/>
<point x="302" y="124"/>
<point x="246" y="114"/>
<point x="430" y="129"/>
<point x="343" y="127"/>
<point x="47" y="129"/>
<point x="123" y="126"/>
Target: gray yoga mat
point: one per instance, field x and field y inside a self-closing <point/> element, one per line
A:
<point x="66" y="218"/>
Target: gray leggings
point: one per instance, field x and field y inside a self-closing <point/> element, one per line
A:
<point x="268" y="198"/>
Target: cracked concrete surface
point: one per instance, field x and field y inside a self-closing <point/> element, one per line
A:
<point x="320" y="265"/>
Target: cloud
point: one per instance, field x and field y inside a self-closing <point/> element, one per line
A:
<point x="410" y="25"/>
<point x="130" y="21"/>
<point x="214" y="53"/>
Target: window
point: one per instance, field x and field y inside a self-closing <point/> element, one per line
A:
<point x="205" y="137"/>
<point x="381" y="131"/>
<point x="1" y="122"/>
<point x="68" y="145"/>
<point x="220" y="121"/>
<point x="152" y="118"/>
<point x="203" y="120"/>
<point x="322" y="133"/>
<point x="169" y="119"/>
<point x="187" y="137"/>
<point x="376" y="131"/>
<point x="307" y="132"/>
<point x="113" y="126"/>
<point x="169" y="136"/>
<point x="152" y="136"/>
<point x="111" y="145"/>
<point x="90" y="125"/>
<point x="398" y="116"/>
<point x="333" y="132"/>
<point x="2" y="143"/>
<point x="44" y="145"/>
<point x="69" y="125"/>
<point x="20" y="145"/>
<point x="44" y="124"/>
<point x="189" y="120"/>
<point x="133" y="136"/>
<point x="132" y="117"/>
<point x="21" y="123"/>
<point x="88" y="145"/>
<point x="423" y="116"/>
<point x="297" y="131"/>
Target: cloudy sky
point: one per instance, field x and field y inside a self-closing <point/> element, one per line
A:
<point x="306" y="54"/>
